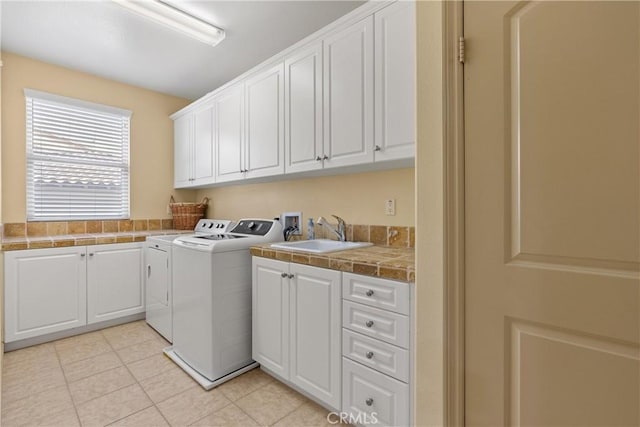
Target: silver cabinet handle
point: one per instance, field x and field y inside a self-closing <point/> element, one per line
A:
<point x="318" y="159"/>
<point x="369" y="323"/>
<point x="369" y="401"/>
<point x="83" y="255"/>
<point x="325" y="157"/>
<point x="149" y="270"/>
<point x="91" y="254"/>
<point x="284" y="275"/>
<point x="290" y="276"/>
<point x="377" y="148"/>
<point x="369" y="292"/>
<point x="369" y="354"/>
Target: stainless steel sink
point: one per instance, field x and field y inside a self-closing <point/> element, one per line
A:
<point x="319" y="246"/>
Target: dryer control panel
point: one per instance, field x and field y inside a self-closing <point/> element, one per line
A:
<point x="253" y="227"/>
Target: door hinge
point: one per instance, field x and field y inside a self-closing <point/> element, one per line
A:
<point x="461" y="50"/>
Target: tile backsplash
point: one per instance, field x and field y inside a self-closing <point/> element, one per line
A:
<point x="396" y="236"/>
<point x="58" y="228"/>
<point x="388" y="235"/>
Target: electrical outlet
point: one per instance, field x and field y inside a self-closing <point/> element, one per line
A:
<point x="390" y="207"/>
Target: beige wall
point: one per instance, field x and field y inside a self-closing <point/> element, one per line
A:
<point x="358" y="198"/>
<point x="151" y="132"/>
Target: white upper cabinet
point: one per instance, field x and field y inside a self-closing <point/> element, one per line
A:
<point x="264" y="143"/>
<point x="348" y="95"/>
<point x="343" y="98"/>
<point x="203" y="144"/>
<point x="229" y="128"/>
<point x="182" y="131"/>
<point x="303" y="109"/>
<point x="193" y="148"/>
<point x="395" y="53"/>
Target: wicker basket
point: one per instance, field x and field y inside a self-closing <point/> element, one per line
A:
<point x="187" y="215"/>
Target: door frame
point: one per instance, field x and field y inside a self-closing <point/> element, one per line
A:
<point x="454" y="215"/>
<point x="439" y="339"/>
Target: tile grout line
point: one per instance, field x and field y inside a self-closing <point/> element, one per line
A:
<point x="217" y="410"/>
<point x="66" y="383"/>
<point x="153" y="404"/>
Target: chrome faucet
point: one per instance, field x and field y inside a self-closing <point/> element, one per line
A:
<point x="340" y="230"/>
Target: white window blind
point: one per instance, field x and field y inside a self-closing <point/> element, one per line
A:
<point x="77" y="159"/>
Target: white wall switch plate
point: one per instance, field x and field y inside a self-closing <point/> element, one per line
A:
<point x="390" y="207"/>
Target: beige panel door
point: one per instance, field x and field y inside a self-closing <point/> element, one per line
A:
<point x="552" y="111"/>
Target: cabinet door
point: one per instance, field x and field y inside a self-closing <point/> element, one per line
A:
<point x="373" y="398"/>
<point x="45" y="291"/>
<point x="348" y="95"/>
<point x="229" y="128"/>
<point x="265" y="123"/>
<point x="114" y="281"/>
<point x="157" y="289"/>
<point x="203" y="164"/>
<point x="315" y="336"/>
<point x="183" y="147"/>
<point x="303" y="110"/>
<point x="395" y="81"/>
<point x="270" y="322"/>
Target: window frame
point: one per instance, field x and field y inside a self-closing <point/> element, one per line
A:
<point x="91" y="108"/>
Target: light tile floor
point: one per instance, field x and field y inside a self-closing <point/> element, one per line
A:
<point x="119" y="377"/>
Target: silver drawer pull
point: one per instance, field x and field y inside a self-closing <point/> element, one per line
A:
<point x="369" y="354"/>
<point x="290" y="276"/>
<point x="369" y="292"/>
<point x="369" y="401"/>
<point x="284" y="275"/>
<point x="369" y="323"/>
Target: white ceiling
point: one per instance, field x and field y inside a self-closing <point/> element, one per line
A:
<point x="102" y="38"/>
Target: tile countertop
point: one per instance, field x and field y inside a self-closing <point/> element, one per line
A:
<point x="378" y="261"/>
<point x="33" y="242"/>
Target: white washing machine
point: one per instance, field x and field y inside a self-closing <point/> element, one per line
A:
<point x="212" y="301"/>
<point x="158" y="262"/>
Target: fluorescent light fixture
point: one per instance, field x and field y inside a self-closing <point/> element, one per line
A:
<point x="177" y="20"/>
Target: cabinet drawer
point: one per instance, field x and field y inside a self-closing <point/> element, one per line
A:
<point x="389" y="327"/>
<point x="381" y="293"/>
<point x="383" y="357"/>
<point x="373" y="398"/>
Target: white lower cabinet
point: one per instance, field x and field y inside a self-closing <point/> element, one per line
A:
<point x="158" y="291"/>
<point x="270" y="320"/>
<point x="45" y="291"/>
<point x="52" y="290"/>
<point x="296" y="326"/>
<point x="114" y="281"/>
<point x="376" y="349"/>
<point x="373" y="398"/>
